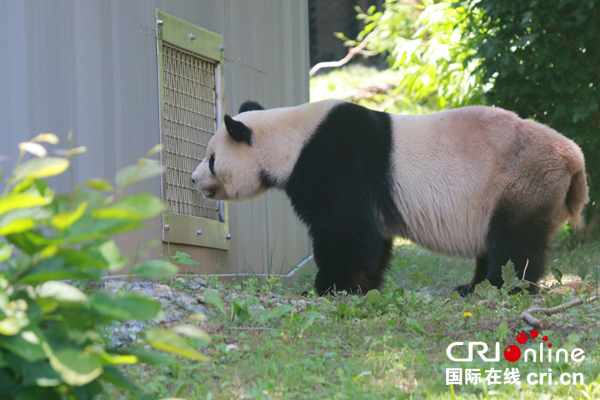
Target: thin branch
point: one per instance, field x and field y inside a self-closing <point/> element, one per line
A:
<point x="542" y="323"/>
<point x="523" y="280"/>
<point x="351" y="53"/>
<point x="525" y="269"/>
<point x="539" y="113"/>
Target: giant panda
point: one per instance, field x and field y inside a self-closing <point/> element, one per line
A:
<point x="476" y="182"/>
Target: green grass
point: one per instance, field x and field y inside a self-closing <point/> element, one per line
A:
<point x="377" y="347"/>
<point x="365" y="86"/>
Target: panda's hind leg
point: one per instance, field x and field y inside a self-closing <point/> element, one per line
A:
<point x="522" y="238"/>
<point x="481" y="271"/>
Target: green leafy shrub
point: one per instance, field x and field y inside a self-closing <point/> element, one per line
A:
<point x="51" y="345"/>
<point x="426" y="42"/>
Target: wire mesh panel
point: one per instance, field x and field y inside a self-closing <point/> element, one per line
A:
<point x="189" y="122"/>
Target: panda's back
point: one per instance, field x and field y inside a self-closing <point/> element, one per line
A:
<point x="447" y="167"/>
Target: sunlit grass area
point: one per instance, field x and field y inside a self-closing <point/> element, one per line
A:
<point x="366" y="86"/>
<point x="272" y="343"/>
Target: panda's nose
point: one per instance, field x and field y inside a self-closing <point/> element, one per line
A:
<point x="193" y="180"/>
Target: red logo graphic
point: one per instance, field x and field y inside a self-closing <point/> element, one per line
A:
<point x="512" y="353"/>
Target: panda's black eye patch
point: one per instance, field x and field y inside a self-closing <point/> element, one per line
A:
<point x="211" y="165"/>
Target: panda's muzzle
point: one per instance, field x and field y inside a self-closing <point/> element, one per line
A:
<point x="209" y="193"/>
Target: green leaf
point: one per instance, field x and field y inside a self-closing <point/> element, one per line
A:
<point x="45" y="137"/>
<point x="54" y="269"/>
<point x="344" y="311"/>
<point x="112" y="255"/>
<point x="47" y="305"/>
<point x="126" y="306"/>
<point x="192" y="331"/>
<point x="38" y="392"/>
<point x="154" y="269"/>
<point x="32" y="241"/>
<point x="116" y="377"/>
<point x="33" y="148"/>
<point x="374" y="297"/>
<point x="509" y="274"/>
<point x="168" y="340"/>
<point x="573" y="338"/>
<point x="7" y="381"/>
<point x="212" y="297"/>
<point x="156" y="149"/>
<point x="149" y="357"/>
<point x="415" y="326"/>
<point x="99" y="184"/>
<point x="71" y="152"/>
<point x="76" y="368"/>
<point x="557" y="274"/>
<point x="239" y="311"/>
<point x="119" y="358"/>
<point x="9" y="326"/>
<point x="584" y="268"/>
<point x="31" y="213"/>
<point x="88" y="391"/>
<point x="41" y="374"/>
<point x="135" y="173"/>
<point x="138" y="206"/>
<point x="88" y="257"/>
<point x="183" y="258"/>
<point x="5" y="251"/>
<point x="21" y="347"/>
<point x="485" y="290"/>
<point x="61" y="291"/>
<point x="16" y="226"/>
<point x="15" y="201"/>
<point x="502" y="331"/>
<point x="278" y="311"/>
<point x="65" y="219"/>
<point x="41" y="168"/>
<point x="85" y="229"/>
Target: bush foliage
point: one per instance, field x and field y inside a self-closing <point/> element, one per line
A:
<point x="543" y="61"/>
<point x="425" y="42"/>
<point x="51" y="342"/>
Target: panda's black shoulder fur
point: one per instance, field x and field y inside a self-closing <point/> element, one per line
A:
<point x="342" y="187"/>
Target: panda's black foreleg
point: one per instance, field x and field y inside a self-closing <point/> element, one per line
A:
<point x="351" y="260"/>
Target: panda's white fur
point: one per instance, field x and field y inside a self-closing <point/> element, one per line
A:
<point x="276" y="144"/>
<point x="452" y="167"/>
<point x="451" y="175"/>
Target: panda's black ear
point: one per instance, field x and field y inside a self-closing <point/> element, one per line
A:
<point x="250" y="106"/>
<point x="237" y="130"/>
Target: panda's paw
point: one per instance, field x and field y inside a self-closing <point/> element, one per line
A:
<point x="532" y="289"/>
<point x="465" y="290"/>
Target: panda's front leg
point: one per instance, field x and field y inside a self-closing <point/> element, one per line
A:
<point x="348" y="260"/>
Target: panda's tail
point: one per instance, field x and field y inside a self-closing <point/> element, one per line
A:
<point x="577" y="197"/>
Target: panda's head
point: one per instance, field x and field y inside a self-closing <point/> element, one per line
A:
<point x="231" y="169"/>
